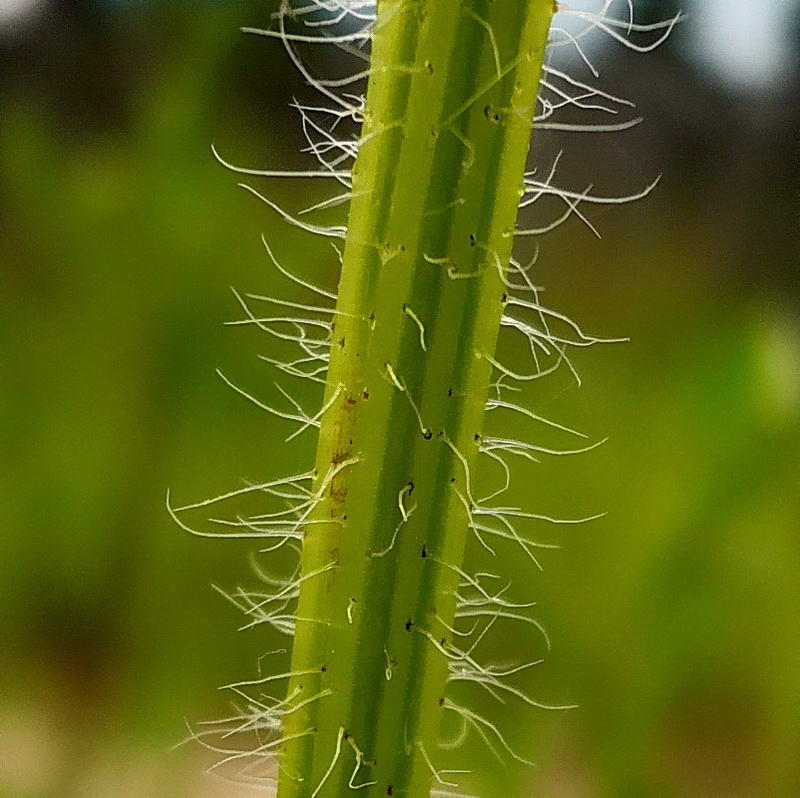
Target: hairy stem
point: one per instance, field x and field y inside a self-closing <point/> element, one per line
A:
<point x="436" y="184"/>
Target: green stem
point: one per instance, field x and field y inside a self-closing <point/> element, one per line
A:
<point x="436" y="185"/>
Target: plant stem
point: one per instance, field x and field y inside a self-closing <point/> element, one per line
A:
<point x="436" y="184"/>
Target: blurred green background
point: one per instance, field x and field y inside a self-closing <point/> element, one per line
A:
<point x="675" y="618"/>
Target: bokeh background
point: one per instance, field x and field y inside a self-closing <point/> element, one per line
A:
<point x="675" y="618"/>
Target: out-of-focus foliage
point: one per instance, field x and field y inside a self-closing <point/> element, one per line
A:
<point x="674" y="618"/>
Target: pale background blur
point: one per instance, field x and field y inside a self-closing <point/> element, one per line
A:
<point x="674" y="618"/>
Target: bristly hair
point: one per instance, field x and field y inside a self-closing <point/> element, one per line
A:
<point x="248" y="742"/>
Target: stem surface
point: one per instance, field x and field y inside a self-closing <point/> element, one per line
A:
<point x="436" y="185"/>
